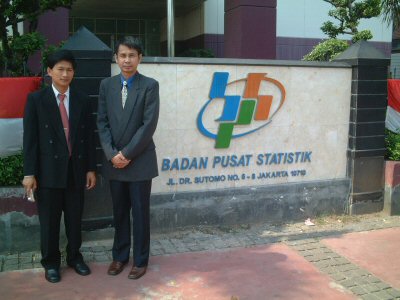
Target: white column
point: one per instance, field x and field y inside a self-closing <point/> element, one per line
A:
<point x="171" y="33"/>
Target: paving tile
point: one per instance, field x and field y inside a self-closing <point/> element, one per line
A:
<point x="345" y="274"/>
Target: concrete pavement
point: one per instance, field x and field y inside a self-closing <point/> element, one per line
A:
<point x="339" y="258"/>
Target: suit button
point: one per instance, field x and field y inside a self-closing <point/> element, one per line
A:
<point x="81" y="141"/>
<point x="79" y="156"/>
<point x="46" y="126"/>
<point x="51" y="141"/>
<point x="55" y="156"/>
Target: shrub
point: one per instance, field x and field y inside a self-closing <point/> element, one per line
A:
<point x="326" y="50"/>
<point x="392" y="141"/>
<point x="11" y="170"/>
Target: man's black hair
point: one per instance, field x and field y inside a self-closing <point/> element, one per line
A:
<point x="61" y="55"/>
<point x="130" y="42"/>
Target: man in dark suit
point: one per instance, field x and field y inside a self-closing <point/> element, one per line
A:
<point x="59" y="161"/>
<point x="127" y="118"/>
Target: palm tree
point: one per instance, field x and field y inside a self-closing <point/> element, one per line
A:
<point x="390" y="10"/>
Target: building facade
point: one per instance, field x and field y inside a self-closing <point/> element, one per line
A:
<point x="261" y="29"/>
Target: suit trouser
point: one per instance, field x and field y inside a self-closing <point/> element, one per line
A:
<point x="51" y="203"/>
<point x="135" y="197"/>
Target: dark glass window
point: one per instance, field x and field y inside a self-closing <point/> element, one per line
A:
<point x="105" y="26"/>
<point x="110" y="30"/>
<point x="88" y="23"/>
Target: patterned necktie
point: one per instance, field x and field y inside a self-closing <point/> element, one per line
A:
<point x="124" y="93"/>
<point x="64" y="119"/>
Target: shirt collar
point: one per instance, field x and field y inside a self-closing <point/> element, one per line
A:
<point x="129" y="81"/>
<point x="56" y="92"/>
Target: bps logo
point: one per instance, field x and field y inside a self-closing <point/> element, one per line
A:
<point x="239" y="111"/>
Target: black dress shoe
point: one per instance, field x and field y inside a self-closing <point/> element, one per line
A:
<point x="52" y="275"/>
<point x="81" y="268"/>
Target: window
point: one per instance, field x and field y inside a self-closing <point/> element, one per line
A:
<point x="110" y="30"/>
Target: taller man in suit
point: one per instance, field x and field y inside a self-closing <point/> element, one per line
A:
<point x="127" y="118"/>
<point x="59" y="161"/>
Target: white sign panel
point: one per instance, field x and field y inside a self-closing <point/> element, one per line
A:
<point x="224" y="126"/>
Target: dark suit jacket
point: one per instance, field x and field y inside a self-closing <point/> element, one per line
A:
<point x="130" y="129"/>
<point x="45" y="147"/>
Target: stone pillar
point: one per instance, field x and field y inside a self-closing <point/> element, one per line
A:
<point x="58" y="31"/>
<point x="366" y="148"/>
<point x="93" y="59"/>
<point x="250" y="29"/>
<point x="392" y="188"/>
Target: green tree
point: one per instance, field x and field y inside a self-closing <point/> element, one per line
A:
<point x="347" y="14"/>
<point x="16" y="48"/>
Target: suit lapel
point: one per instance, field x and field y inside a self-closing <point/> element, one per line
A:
<point x="50" y="105"/>
<point x="75" y="109"/>
<point x="126" y="112"/>
<point x="132" y="96"/>
<point x="116" y="99"/>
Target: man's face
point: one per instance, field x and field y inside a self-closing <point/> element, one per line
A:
<point x="127" y="59"/>
<point x="61" y="75"/>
